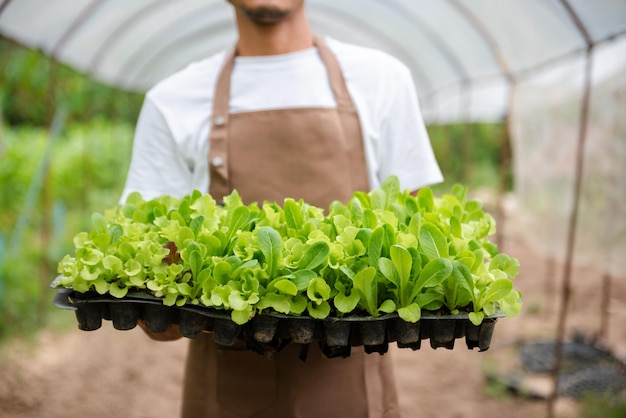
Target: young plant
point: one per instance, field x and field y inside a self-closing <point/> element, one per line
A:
<point x="403" y="272"/>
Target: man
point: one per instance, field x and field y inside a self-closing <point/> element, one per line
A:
<point x="284" y="114"/>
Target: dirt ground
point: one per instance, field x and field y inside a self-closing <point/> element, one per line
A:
<point x="110" y="373"/>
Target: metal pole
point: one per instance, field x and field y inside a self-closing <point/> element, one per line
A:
<point x="566" y="287"/>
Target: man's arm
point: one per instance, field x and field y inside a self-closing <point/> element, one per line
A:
<point x="407" y="151"/>
<point x="157" y="166"/>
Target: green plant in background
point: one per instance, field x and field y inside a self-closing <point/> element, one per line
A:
<point x="88" y="165"/>
<point x="470" y="154"/>
<point x="606" y="405"/>
<point x="31" y="85"/>
<point x="256" y="258"/>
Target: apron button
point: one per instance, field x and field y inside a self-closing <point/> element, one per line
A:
<point x="217" y="162"/>
<point x="219" y="120"/>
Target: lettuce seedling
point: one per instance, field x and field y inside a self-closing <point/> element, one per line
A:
<point x="318" y="293"/>
<point x="366" y="285"/>
<point x="410" y="282"/>
<point x="270" y="244"/>
<point x="383" y="250"/>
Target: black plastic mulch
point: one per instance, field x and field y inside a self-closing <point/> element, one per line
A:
<point x="586" y="367"/>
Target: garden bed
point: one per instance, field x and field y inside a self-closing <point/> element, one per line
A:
<point x="267" y="332"/>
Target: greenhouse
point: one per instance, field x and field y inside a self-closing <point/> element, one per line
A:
<point x="523" y="102"/>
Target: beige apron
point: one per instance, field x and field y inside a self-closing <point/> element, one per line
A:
<point x="311" y="153"/>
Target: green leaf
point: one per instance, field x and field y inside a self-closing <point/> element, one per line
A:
<point x="132" y="268"/>
<point x="369" y="219"/>
<point x="432" y="241"/>
<point x="112" y="264"/>
<point x="507" y="264"/>
<point x="375" y="248"/>
<point x="115" y="233"/>
<point x="279" y="303"/>
<point x="391" y="187"/>
<point x="430" y="296"/>
<point x="137" y="281"/>
<point x="314" y="256"/>
<point x="271" y="246"/>
<point x="365" y="284"/>
<point x="459" y="286"/>
<point x="101" y="286"/>
<point x="222" y="272"/>
<point x="184" y="289"/>
<point x="195" y="263"/>
<point x="237" y="219"/>
<point x="99" y="223"/>
<point x="346" y="303"/>
<point x="388" y="306"/>
<point x="240" y="317"/>
<point x="378" y="199"/>
<point x="511" y="305"/>
<point x="183" y="236"/>
<point x="298" y="304"/>
<point x="411" y="313"/>
<point x="356" y="211"/>
<point x="126" y="250"/>
<point x="402" y="262"/>
<point x="293" y="214"/>
<point x="320" y="311"/>
<point x="116" y="291"/>
<point x="302" y="278"/>
<point x="495" y="291"/>
<point x="491" y="248"/>
<point x="416" y="263"/>
<point x="318" y="290"/>
<point x="425" y="199"/>
<point x="460" y="192"/>
<point x="237" y="302"/>
<point x="433" y="273"/>
<point x="196" y="224"/>
<point x="101" y="241"/>
<point x="286" y="287"/>
<point x="388" y="270"/>
<point x="455" y="227"/>
<point x="476" y="318"/>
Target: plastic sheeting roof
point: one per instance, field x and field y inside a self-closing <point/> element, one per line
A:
<point x="464" y="54"/>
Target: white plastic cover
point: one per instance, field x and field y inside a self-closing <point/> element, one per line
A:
<point x="459" y="50"/>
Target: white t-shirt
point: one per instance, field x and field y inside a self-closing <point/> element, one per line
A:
<point x="171" y="147"/>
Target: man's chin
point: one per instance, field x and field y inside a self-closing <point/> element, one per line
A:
<point x="265" y="15"/>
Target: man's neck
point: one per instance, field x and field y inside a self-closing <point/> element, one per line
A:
<point x="289" y="35"/>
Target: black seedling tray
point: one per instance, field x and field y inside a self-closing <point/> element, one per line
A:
<point x="337" y="336"/>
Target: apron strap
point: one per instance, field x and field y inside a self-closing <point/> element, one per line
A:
<point x="218" y="154"/>
<point x="335" y="75"/>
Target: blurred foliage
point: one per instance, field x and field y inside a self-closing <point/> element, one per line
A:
<point x="470" y="154"/>
<point x="42" y="209"/>
<point x="604" y="405"/>
<point x="87" y="169"/>
<point x="30" y="85"/>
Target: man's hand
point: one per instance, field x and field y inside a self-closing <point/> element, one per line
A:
<point x="171" y="334"/>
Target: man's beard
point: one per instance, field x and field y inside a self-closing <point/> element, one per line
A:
<point x="265" y="15"/>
